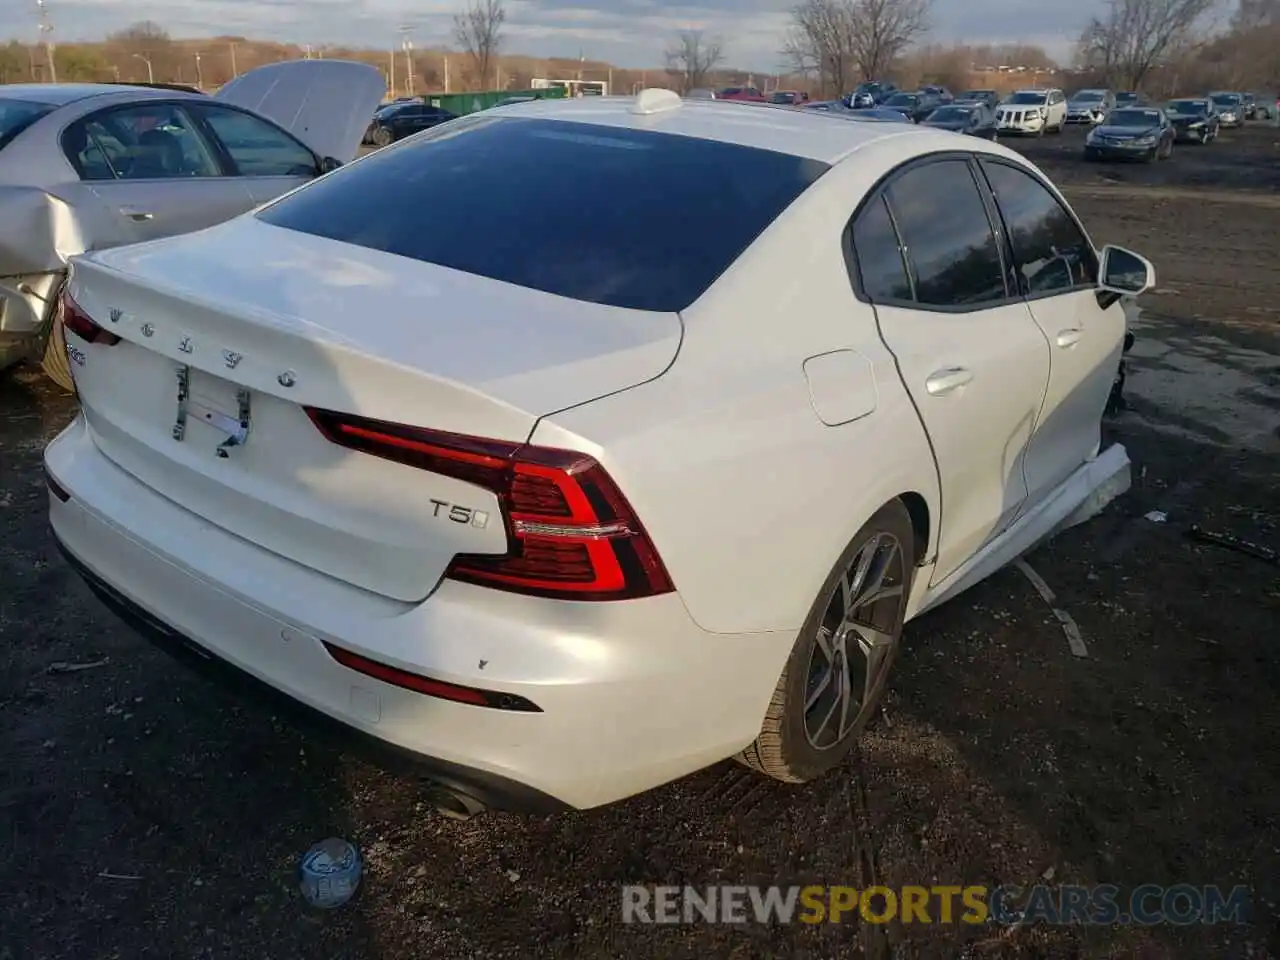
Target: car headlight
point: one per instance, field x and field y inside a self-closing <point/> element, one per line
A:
<point x="1196" y="123"/>
<point x="1144" y="141"/>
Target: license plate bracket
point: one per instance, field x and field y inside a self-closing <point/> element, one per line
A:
<point x="223" y="406"/>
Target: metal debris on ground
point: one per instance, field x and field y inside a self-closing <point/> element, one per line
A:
<point x="1075" y="640"/>
<point x="1229" y="542"/>
<point x="329" y="873"/>
<point x="61" y="666"/>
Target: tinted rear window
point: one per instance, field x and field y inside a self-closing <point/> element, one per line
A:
<point x="620" y="217"/>
<point x="17" y="115"/>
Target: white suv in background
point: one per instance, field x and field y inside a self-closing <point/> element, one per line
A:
<point x="1033" y="111"/>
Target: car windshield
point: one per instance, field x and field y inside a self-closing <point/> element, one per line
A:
<point x="951" y="113"/>
<point x="1027" y="97"/>
<point x="1226" y="99"/>
<point x="976" y="95"/>
<point x="1088" y="96"/>
<point x="868" y="88"/>
<point x="1188" y="108"/>
<point x="902" y="100"/>
<point x="17" y="115"/>
<point x="1133" y="118"/>
<point x="631" y="218"/>
<point x="784" y="96"/>
<point x="1126" y="97"/>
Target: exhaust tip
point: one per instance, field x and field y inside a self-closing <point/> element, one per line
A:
<point x="454" y="804"/>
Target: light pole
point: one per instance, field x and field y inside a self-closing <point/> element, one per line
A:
<point x="406" y="45"/>
<point x="199" y="72"/>
<point x="234" y="71"/>
<point x="151" y="74"/>
<point x="46" y="28"/>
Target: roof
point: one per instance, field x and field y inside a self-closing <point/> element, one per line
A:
<point x="59" y="94"/>
<point x="812" y="134"/>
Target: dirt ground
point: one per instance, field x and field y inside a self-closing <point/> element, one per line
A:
<point x="145" y="814"/>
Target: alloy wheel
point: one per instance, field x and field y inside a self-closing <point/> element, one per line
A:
<point x="855" y="641"/>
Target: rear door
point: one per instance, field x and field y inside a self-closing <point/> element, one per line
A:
<point x="972" y="359"/>
<point x="1057" y="271"/>
<point x="154" y="168"/>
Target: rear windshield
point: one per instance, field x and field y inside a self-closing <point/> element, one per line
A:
<point x="1193" y="107"/>
<point x="1028" y="97"/>
<point x="17" y="115"/>
<point x="626" y="218"/>
<point x="951" y="113"/>
<point x="1226" y="99"/>
<point x="1088" y="96"/>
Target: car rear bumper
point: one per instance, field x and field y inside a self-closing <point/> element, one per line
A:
<point x="630" y="694"/>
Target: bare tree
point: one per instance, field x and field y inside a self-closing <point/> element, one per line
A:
<point x="691" y="58"/>
<point x="841" y="39"/>
<point x="478" y="31"/>
<point x="1135" y="36"/>
<point x="147" y="41"/>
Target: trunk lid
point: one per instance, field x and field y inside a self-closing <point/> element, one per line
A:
<point x="327" y="104"/>
<point x="264" y="322"/>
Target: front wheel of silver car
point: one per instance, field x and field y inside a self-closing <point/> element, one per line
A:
<point x="836" y="675"/>
<point x="54" y="363"/>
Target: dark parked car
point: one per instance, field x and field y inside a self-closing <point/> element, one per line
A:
<point x="1250" y="106"/>
<point x="916" y="105"/>
<point x="989" y="98"/>
<point x="870" y="93"/>
<point x="975" y="119"/>
<point x="1194" y="121"/>
<point x="789" y="98"/>
<point x="942" y="93"/>
<point x="1131" y="133"/>
<point x="402" y="119"/>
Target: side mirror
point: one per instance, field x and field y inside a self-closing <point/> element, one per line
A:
<point x="328" y="165"/>
<point x="1124" y="272"/>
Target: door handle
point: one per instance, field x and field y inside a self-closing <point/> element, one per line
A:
<point x="136" y="215"/>
<point x="1069" y="337"/>
<point x="943" y="381"/>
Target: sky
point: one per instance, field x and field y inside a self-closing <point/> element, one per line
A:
<point x="627" y="33"/>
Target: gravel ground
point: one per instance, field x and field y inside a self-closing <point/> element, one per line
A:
<point x="145" y="814"/>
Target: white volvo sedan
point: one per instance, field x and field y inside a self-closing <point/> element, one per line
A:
<point x="571" y="447"/>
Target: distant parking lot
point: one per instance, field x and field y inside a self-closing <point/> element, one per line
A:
<point x="149" y="816"/>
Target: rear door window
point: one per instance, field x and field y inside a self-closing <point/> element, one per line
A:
<point x="627" y="218"/>
<point x="17" y="115"/>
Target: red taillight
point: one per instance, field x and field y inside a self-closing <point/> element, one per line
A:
<point x="83" y="325"/>
<point x="572" y="534"/>
<point x="428" y="687"/>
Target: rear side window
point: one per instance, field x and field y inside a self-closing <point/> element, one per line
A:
<point x="948" y="236"/>
<point x="879" y="255"/>
<point x="17" y="115"/>
<point x="626" y="218"/>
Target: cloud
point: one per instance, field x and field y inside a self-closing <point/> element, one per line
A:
<point x="626" y="32"/>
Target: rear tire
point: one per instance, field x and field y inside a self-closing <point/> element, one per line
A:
<point x="849" y="640"/>
<point x="54" y="363"/>
<point x="382" y="137"/>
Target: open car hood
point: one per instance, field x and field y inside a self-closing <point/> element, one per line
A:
<point x="324" y="103"/>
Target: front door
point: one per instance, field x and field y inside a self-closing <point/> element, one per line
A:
<point x="1058" y="271"/>
<point x="972" y="359"/>
<point x="267" y="160"/>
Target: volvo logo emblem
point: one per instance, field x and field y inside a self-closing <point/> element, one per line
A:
<point x="148" y="329"/>
<point x="231" y="358"/>
<point x="287" y="379"/>
<point x="116" y="314"/>
<point x="185" y="345"/>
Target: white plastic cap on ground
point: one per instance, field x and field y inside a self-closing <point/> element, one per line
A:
<point x="656" y="100"/>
